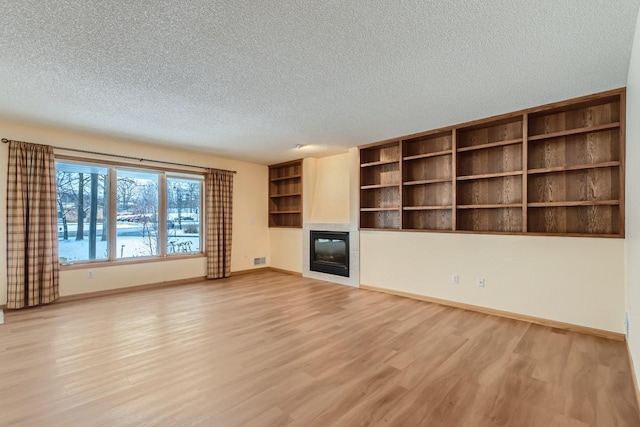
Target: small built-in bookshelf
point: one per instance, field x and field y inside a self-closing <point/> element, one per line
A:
<point x="285" y="194"/>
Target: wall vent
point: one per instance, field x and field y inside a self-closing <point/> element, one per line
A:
<point x="260" y="261"/>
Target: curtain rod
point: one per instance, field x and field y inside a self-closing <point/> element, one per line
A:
<point x="120" y="156"/>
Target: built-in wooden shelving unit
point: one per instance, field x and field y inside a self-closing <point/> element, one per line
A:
<point x="285" y="194"/>
<point x="427" y="181"/>
<point x="554" y="170"/>
<point x="380" y="186"/>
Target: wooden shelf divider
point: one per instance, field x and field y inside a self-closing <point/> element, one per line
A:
<point x="574" y="203"/>
<point x="576" y="131"/>
<point x="286" y="195"/>
<point x="525" y="171"/>
<point x="427" y="181"/>
<point x="490" y="145"/>
<point x="426" y="208"/>
<point x="574" y="167"/>
<point x="491" y="206"/>
<point x="427" y="155"/>
<point x="488" y="175"/>
<point x="378" y="209"/>
<point x="284" y="178"/>
<point x="285" y="212"/>
<point x="378" y="163"/>
<point x="373" y="187"/>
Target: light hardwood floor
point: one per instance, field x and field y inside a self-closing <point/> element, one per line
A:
<point x="270" y="349"/>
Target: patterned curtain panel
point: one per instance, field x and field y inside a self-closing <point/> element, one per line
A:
<point x="219" y="188"/>
<point x="32" y="226"/>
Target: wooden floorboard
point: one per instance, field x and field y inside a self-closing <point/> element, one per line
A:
<point x="271" y="349"/>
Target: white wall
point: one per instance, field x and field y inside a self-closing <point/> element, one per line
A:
<point x="285" y="249"/>
<point x="632" y="200"/>
<point x="250" y="231"/>
<point x="572" y="280"/>
<point x="330" y="201"/>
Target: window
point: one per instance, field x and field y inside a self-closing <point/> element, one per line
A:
<point x="137" y="214"/>
<point x="155" y="213"/>
<point x="183" y="214"/>
<point x="82" y="209"/>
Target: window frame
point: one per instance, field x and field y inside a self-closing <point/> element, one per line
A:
<point x="111" y="197"/>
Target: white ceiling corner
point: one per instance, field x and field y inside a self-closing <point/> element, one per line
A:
<point x="250" y="80"/>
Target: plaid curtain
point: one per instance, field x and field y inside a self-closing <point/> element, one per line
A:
<point x="219" y="188"/>
<point x="32" y="226"/>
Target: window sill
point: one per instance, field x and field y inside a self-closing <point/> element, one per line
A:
<point x="129" y="261"/>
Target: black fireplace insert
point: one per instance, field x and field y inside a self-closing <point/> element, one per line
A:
<point x="329" y="252"/>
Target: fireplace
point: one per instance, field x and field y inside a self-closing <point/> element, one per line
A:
<point x="329" y="252"/>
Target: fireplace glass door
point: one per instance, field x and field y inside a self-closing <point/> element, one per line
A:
<point x="329" y="252"/>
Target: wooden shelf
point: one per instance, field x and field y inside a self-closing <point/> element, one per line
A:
<point x="283" y="212"/>
<point x="575" y="131"/>
<point x="378" y="163"/>
<point x="378" y="209"/>
<point x="488" y="175"/>
<point x="491" y="206"/>
<point x="574" y="203"/>
<point x="372" y="187"/>
<point x="428" y="155"/>
<point x="490" y="145"/>
<point x="427" y="181"/>
<point x="379" y="228"/>
<point x="426" y="208"/>
<point x="284" y="178"/>
<point x="574" y="168"/>
<point x="286" y="195"/>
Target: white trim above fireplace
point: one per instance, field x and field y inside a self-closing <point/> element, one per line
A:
<point x="354" y="253"/>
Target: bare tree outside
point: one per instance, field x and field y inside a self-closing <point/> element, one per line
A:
<point x="66" y="198"/>
<point x="137" y="195"/>
<point x="126" y="191"/>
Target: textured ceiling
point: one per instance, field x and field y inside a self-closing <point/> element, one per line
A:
<point x="251" y="79"/>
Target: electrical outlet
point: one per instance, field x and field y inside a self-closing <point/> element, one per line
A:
<point x="481" y="282"/>
<point x="90" y="274"/>
<point x="455" y="279"/>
